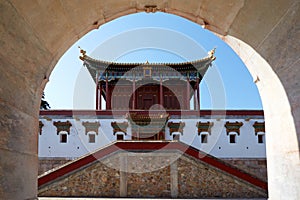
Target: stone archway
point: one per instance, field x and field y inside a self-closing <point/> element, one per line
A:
<point x="35" y="34"/>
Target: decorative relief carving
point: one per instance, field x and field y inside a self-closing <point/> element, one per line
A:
<point x="119" y="127"/>
<point x="151" y="8"/>
<point x="139" y="117"/>
<point x="233" y="127"/>
<point x="91" y="126"/>
<point x="204" y="127"/>
<point x="176" y="127"/>
<point x="63" y="126"/>
<point x="147" y="71"/>
<point x="40" y="127"/>
<point x="259" y="127"/>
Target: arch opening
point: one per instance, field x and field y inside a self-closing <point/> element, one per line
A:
<point x="47" y="47"/>
<point x="267" y="82"/>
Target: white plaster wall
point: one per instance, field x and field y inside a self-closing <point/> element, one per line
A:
<point x="218" y="145"/>
<point x="77" y="143"/>
<point x="218" y="141"/>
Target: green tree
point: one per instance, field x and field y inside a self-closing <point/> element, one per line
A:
<point x="44" y="104"/>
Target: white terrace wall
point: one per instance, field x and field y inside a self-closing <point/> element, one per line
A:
<point x="218" y="144"/>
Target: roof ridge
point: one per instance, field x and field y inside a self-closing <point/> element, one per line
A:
<point x="210" y="57"/>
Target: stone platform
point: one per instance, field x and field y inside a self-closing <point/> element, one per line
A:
<point x="57" y="198"/>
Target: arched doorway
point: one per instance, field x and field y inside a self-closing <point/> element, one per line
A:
<point x="34" y="36"/>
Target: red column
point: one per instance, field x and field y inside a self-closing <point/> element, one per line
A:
<point x="188" y="93"/>
<point x="97" y="90"/>
<point x="97" y="96"/>
<point x="195" y="98"/>
<point x="161" y="99"/>
<point x="133" y="94"/>
<point x="198" y="94"/>
<point x="100" y="97"/>
<point x="108" y="106"/>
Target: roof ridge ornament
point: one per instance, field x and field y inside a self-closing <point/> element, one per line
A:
<point x="83" y="52"/>
<point x="211" y="53"/>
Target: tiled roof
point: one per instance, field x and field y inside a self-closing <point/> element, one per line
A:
<point x="85" y="57"/>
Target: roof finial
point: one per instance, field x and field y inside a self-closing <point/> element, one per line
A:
<point x="83" y="52"/>
<point x="211" y="53"/>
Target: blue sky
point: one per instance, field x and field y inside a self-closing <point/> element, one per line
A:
<point x="157" y="37"/>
